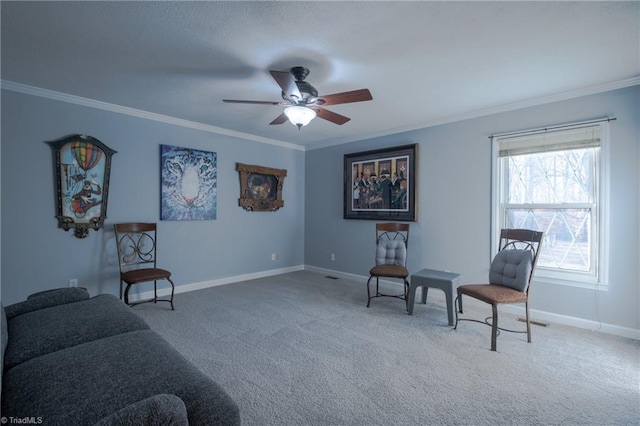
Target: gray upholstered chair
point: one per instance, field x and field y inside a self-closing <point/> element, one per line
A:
<point x="137" y="243"/>
<point x="509" y="278"/>
<point x="391" y="258"/>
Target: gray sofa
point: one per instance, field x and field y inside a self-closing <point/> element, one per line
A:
<point x="69" y="359"/>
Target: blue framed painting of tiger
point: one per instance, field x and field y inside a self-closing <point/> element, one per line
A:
<point x="189" y="183"/>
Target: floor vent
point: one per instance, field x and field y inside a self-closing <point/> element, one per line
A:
<point x="534" y="322"/>
<point x="331" y="277"/>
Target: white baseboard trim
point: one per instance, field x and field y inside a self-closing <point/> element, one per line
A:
<point x="550" y="317"/>
<point x="515" y="310"/>
<point x="164" y="291"/>
<point x="575" y="322"/>
<point x="338" y="274"/>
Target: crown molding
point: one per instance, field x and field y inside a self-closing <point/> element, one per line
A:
<point x="91" y="103"/>
<point x="557" y="97"/>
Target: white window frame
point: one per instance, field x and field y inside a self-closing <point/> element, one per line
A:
<point x="597" y="280"/>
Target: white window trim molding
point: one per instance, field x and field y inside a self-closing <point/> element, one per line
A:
<point x="543" y="275"/>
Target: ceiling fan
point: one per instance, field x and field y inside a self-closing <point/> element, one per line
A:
<point x="302" y="100"/>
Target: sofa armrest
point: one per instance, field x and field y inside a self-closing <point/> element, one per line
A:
<point x="161" y="410"/>
<point x="47" y="299"/>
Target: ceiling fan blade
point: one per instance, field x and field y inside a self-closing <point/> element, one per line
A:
<point x="236" y="101"/>
<point x="331" y="116"/>
<point x="346" y="97"/>
<point x="288" y="84"/>
<point x="282" y="118"/>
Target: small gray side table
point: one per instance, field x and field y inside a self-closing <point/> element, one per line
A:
<point x="445" y="281"/>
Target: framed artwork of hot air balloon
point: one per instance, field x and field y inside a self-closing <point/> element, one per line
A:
<point x="82" y="165"/>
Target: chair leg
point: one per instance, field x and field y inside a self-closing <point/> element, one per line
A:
<point x="155" y="292"/>
<point x="458" y="301"/>
<point x="173" y="288"/>
<point x="526" y="307"/>
<point x="406" y="294"/>
<point x="126" y="294"/>
<point x="494" y="327"/>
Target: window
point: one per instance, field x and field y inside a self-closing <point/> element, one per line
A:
<point x="553" y="181"/>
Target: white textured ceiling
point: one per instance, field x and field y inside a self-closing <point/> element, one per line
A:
<point x="424" y="62"/>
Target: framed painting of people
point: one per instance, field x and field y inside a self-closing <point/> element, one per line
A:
<point x="381" y="184"/>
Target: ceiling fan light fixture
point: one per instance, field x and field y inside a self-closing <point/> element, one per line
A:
<point x="299" y="116"/>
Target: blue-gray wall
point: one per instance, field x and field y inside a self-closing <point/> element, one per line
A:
<point x="454" y="205"/>
<point x="452" y="231"/>
<point x="36" y="255"/>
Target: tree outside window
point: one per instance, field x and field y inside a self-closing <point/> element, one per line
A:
<point x="550" y="181"/>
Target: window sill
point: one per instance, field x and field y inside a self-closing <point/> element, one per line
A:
<point x="585" y="284"/>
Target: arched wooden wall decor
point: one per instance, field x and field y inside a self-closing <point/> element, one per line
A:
<point x="82" y="167"/>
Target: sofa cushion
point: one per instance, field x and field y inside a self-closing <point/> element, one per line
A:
<point x="47" y="299"/>
<point x="3" y="342"/>
<point x="86" y="383"/>
<point x="48" y="330"/>
<point x="5" y="334"/>
<point x="158" y="410"/>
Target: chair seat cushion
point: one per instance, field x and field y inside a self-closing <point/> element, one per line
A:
<point x="394" y="271"/>
<point x="391" y="252"/>
<point x="146" y="274"/>
<point x="493" y="294"/>
<point x="512" y="268"/>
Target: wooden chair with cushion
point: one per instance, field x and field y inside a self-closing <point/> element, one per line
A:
<point x="509" y="278"/>
<point x="137" y="243"/>
<point x="391" y="258"/>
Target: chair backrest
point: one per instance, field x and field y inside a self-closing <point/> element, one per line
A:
<point x="391" y="243"/>
<point x="136" y="244"/>
<point x="517" y="257"/>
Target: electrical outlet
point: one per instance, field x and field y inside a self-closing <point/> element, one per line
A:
<point x="275" y="256"/>
<point x="333" y="257"/>
<point x="73" y="282"/>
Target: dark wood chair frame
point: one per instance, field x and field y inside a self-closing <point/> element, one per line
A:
<point x="136" y="244"/>
<point x="524" y="239"/>
<point x="390" y="231"/>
